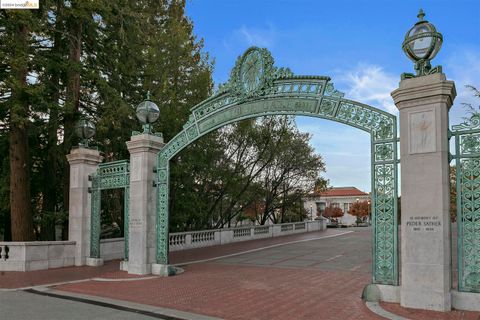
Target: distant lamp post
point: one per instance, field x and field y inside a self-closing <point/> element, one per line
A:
<point x="422" y="43"/>
<point x="147" y="113"/>
<point x="84" y="129"/>
<point x="311" y="212"/>
<point x="370" y="212"/>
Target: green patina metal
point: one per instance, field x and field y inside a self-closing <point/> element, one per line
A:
<point x="467" y="163"/>
<point x="111" y="175"/>
<point x="257" y="88"/>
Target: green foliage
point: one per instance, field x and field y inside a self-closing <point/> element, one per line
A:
<point x="95" y="59"/>
<point x="254" y="169"/>
<point x="98" y="59"/>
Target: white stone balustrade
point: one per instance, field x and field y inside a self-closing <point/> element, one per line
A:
<point x="205" y="238"/>
<point x="42" y="255"/>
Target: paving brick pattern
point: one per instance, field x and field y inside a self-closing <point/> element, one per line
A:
<point x="318" y="279"/>
<point x="246" y="292"/>
<point x="13" y="279"/>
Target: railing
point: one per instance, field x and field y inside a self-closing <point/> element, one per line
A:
<point x="203" y="236"/>
<point x="36" y="255"/>
<point x="242" y="232"/>
<point x="300" y="226"/>
<point x="196" y="239"/>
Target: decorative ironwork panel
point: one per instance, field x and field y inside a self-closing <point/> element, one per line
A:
<point x="384" y="214"/>
<point x="257" y="88"/>
<point x="113" y="175"/>
<point x="95" y="220"/>
<point x="126" y="220"/>
<point x="110" y="175"/>
<point x="162" y="214"/>
<point x="467" y="155"/>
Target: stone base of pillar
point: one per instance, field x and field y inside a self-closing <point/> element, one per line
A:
<point x="165" y="270"/>
<point x="94" y="262"/>
<point x="380" y="292"/>
<point x="139" y="269"/>
<point x="124" y="265"/>
<point x="436" y="301"/>
<point x="466" y="301"/>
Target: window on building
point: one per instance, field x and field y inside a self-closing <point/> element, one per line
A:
<point x="321" y="207"/>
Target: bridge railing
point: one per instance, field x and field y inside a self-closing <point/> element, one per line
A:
<point x="206" y="238"/>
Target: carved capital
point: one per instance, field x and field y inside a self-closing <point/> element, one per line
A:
<point x="145" y="143"/>
<point x="85" y="156"/>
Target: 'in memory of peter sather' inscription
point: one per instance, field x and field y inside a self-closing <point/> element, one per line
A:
<point x="424" y="223"/>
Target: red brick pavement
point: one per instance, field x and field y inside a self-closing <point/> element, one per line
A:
<point x="245" y="292"/>
<point x="12" y="279"/>
<point x="233" y="291"/>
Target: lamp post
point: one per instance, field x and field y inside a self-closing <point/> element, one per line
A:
<point x="370" y="212"/>
<point x="147" y="113"/>
<point x="311" y="212"/>
<point x="84" y="129"/>
<point x="422" y="43"/>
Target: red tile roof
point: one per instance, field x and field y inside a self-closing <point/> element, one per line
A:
<point x="341" y="192"/>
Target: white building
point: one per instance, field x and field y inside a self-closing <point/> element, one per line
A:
<point x="340" y="197"/>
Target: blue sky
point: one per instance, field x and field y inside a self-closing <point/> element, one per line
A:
<point x="356" y="43"/>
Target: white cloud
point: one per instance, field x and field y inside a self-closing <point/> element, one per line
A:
<point x="256" y="36"/>
<point x="463" y="67"/>
<point x="369" y="84"/>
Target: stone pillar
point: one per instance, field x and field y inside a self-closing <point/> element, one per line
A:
<point x="83" y="162"/>
<point x="143" y="150"/>
<point x="424" y="103"/>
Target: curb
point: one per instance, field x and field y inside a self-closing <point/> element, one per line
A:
<point x="378" y="310"/>
<point x="122" y="305"/>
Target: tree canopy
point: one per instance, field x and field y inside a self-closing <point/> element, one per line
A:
<point x="97" y="59"/>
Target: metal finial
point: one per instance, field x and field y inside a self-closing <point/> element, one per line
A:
<point x="148" y="95"/>
<point x="420" y="15"/>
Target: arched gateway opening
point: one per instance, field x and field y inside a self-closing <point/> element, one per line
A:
<point x="258" y="88"/>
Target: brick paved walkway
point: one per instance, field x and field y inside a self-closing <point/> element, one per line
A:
<point x="246" y="292"/>
<point x="318" y="279"/>
<point x="10" y="280"/>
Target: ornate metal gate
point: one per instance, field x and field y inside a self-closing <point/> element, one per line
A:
<point x="257" y="88"/>
<point x="111" y="175"/>
<point x="467" y="164"/>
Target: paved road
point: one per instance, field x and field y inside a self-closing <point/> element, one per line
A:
<point x="21" y="305"/>
<point x="351" y="252"/>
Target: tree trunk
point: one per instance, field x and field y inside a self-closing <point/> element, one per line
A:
<point x="72" y="102"/>
<point x="20" y="202"/>
<point x="52" y="164"/>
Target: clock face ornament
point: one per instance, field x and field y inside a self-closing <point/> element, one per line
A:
<point x="252" y="70"/>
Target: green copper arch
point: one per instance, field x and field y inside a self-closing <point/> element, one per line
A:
<point x="259" y="89"/>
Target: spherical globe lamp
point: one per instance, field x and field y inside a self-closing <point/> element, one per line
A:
<point x="84" y="129"/>
<point x="422" y="43"/>
<point x="147" y="113"/>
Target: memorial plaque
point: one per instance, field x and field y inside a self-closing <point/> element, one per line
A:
<point x="422" y="132"/>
